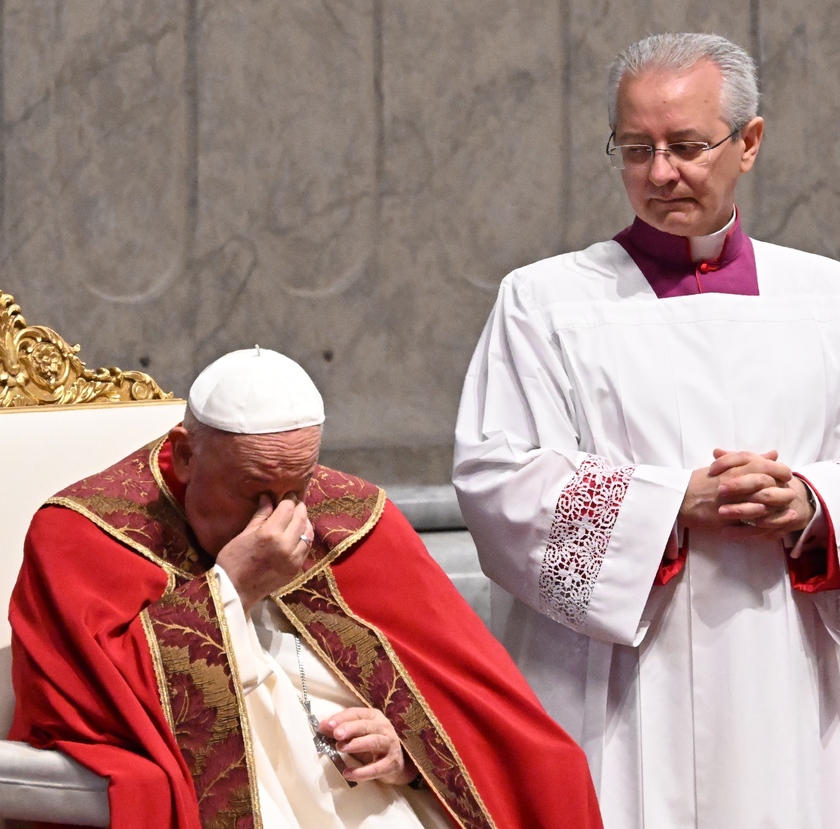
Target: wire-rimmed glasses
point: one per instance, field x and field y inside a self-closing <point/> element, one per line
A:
<point x="695" y="153"/>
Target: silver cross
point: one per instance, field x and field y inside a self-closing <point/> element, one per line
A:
<point x="324" y="745"/>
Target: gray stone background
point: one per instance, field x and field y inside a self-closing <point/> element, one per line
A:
<point x="348" y="180"/>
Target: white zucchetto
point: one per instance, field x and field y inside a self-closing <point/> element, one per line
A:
<point x="255" y="391"/>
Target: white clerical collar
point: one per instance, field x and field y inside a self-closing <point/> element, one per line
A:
<point x="708" y="247"/>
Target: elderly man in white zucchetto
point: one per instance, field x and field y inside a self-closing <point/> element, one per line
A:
<point x="239" y="637"/>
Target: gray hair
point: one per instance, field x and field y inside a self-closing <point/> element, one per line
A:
<point x="739" y="96"/>
<point x="195" y="427"/>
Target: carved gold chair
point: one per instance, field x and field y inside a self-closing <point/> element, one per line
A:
<point x="59" y="422"/>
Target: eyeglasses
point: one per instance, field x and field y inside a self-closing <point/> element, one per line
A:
<point x="694" y="153"/>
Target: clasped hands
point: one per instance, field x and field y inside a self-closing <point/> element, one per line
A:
<point x="746" y="493"/>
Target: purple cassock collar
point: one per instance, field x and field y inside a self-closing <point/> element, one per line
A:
<point x="665" y="260"/>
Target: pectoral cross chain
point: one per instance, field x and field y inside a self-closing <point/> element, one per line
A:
<point x="324" y="745"/>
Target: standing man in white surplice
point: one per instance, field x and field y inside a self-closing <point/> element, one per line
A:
<point x="646" y="458"/>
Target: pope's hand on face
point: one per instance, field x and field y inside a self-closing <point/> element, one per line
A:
<point x="269" y="552"/>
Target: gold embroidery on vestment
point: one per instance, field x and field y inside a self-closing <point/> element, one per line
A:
<point x="336" y="551"/>
<point x="211" y="676"/>
<point x="418" y="696"/>
<point x="160" y="674"/>
<point x="244" y="722"/>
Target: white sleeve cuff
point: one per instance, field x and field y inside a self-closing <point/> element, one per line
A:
<point x="641" y="534"/>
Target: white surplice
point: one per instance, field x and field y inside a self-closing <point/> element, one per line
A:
<point x="298" y="789"/>
<point x="712" y="702"/>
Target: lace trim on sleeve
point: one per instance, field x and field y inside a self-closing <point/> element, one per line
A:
<point x="577" y="543"/>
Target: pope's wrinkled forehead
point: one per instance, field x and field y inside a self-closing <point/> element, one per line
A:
<point x="254" y="392"/>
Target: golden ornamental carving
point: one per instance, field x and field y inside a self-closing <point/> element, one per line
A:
<point x="38" y="367"/>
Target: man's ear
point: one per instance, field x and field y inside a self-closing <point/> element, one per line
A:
<point x="182" y="453"/>
<point x="751" y="135"/>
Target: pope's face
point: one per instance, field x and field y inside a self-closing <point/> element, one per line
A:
<point x="658" y="107"/>
<point x="225" y="475"/>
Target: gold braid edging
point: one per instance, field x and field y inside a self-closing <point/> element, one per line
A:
<point x="160" y="673"/>
<point x="327" y="560"/>
<point x="171" y="570"/>
<point x="245" y="726"/>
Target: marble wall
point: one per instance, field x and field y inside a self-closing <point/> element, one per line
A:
<point x="348" y="180"/>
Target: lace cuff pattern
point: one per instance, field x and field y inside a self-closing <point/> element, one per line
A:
<point x="580" y="533"/>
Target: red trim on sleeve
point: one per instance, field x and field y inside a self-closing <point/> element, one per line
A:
<point x="818" y="568"/>
<point x="671" y="567"/>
